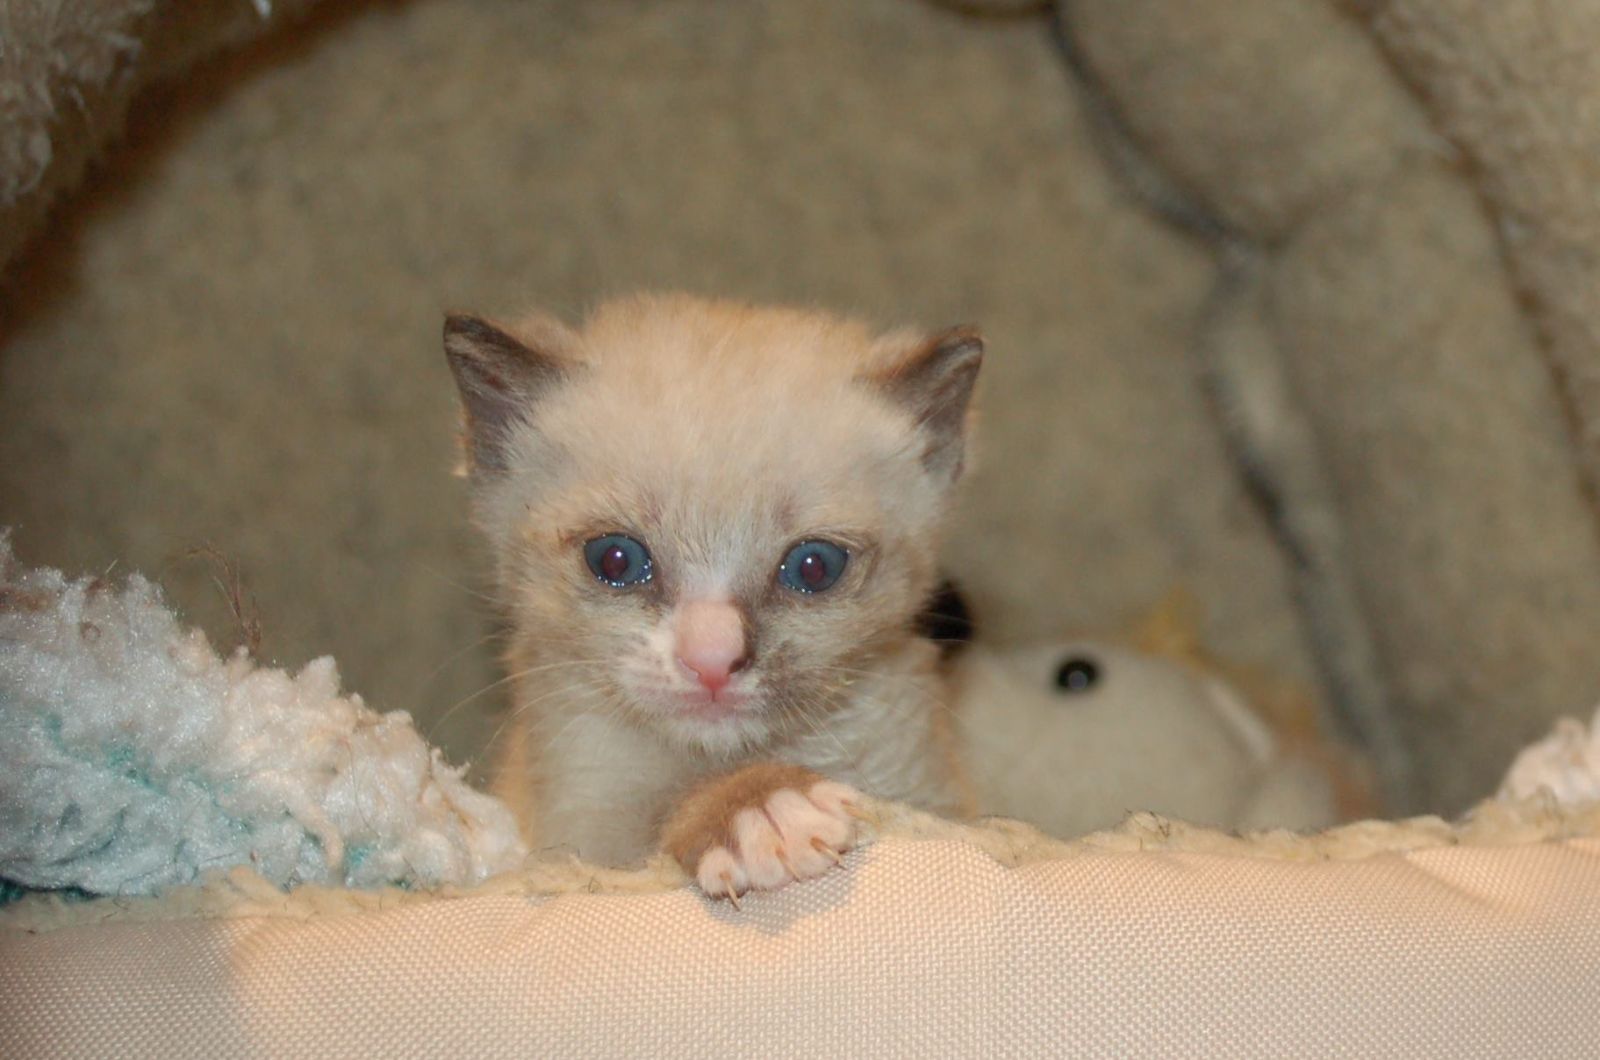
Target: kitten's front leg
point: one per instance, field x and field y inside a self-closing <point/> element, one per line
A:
<point x="761" y="827"/>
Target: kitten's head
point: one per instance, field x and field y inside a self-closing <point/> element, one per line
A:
<point x="706" y="517"/>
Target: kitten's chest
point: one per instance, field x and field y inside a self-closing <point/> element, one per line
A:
<point x="601" y="788"/>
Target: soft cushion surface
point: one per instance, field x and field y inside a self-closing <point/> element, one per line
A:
<point x="918" y="948"/>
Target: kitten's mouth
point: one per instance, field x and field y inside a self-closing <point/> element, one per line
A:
<point x="702" y="706"/>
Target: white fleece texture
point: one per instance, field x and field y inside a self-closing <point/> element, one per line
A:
<point x="1564" y="766"/>
<point x="133" y="758"/>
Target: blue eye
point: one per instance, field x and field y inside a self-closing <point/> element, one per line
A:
<point x="618" y="560"/>
<point x="812" y="566"/>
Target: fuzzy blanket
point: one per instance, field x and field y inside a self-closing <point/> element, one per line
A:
<point x="134" y="759"/>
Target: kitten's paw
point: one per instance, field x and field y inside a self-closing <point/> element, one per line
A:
<point x="761" y="828"/>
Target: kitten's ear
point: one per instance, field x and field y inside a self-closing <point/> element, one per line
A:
<point x="934" y="381"/>
<point x="501" y="377"/>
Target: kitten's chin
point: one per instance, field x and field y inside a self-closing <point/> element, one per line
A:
<point x="721" y="729"/>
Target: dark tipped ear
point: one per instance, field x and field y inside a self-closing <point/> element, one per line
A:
<point x="934" y="382"/>
<point x="500" y="378"/>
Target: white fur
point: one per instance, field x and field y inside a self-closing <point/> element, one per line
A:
<point x="776" y="843"/>
<point x="1564" y="766"/>
<point x="721" y="875"/>
<point x="801" y="822"/>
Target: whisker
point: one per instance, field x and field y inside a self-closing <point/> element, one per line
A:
<point x="965" y="734"/>
<point x="507" y="679"/>
<point x="478" y="593"/>
<point x="522" y="708"/>
<point x="453" y="656"/>
<point x="817" y="724"/>
<point x="609" y="706"/>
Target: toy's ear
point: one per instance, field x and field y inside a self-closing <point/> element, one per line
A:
<point x="934" y="380"/>
<point x="1172" y="628"/>
<point x="502" y="377"/>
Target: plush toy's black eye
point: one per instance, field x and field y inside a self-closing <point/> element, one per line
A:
<point x="1077" y="674"/>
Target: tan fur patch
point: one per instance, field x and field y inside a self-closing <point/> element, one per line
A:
<point x="704" y="818"/>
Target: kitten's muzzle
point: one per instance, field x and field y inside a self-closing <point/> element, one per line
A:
<point x="710" y="643"/>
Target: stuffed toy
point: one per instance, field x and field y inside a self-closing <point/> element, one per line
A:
<point x="1074" y="735"/>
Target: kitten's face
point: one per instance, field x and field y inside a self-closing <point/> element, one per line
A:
<point x="710" y="519"/>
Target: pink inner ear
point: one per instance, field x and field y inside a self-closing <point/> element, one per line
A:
<point x="709" y="640"/>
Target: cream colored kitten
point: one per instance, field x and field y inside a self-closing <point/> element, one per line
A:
<point x="713" y="526"/>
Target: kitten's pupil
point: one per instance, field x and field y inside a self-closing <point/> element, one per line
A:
<point x="614" y="563"/>
<point x="813" y="571"/>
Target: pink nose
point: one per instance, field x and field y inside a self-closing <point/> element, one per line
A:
<point x="709" y="639"/>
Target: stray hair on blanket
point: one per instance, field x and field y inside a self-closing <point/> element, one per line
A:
<point x="133" y="758"/>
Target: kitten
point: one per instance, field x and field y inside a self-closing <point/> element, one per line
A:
<point x="713" y="527"/>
